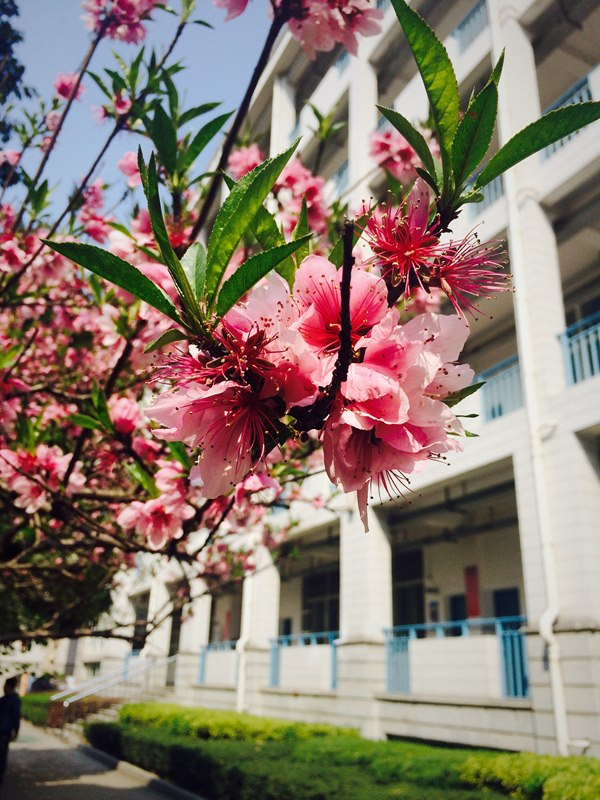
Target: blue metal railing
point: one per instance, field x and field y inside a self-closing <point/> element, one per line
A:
<point x="302" y="640"/>
<point x="340" y="179"/>
<point x="382" y="5"/>
<point x="492" y="192"/>
<point x="513" y="661"/>
<point x="580" y="92"/>
<point x="228" y="644"/>
<point x="471" y="26"/>
<point x="295" y="132"/>
<point x="502" y="391"/>
<point x="342" y="61"/>
<point x="581" y="348"/>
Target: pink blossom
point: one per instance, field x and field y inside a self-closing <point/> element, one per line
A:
<point x="122" y="19"/>
<point x="9" y="157"/>
<point x="295" y="184"/>
<point x="244" y="159"/>
<point x="64" y="85"/>
<point x="233" y="7"/>
<point x="158" y="520"/>
<point x="257" y="482"/>
<point x="124" y="413"/>
<point x="52" y="119"/>
<point x="321" y="24"/>
<point x="129" y="166"/>
<point x="227" y="420"/>
<point x="121" y="103"/>
<point x="392" y="152"/>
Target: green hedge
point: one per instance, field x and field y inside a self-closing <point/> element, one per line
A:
<point x="34" y="708"/>
<point x="526" y="776"/>
<point x="208" y="724"/>
<point x="229" y="769"/>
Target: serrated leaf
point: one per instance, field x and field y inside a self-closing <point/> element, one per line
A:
<point x="251" y="271"/>
<point x="100" y="83"/>
<point x="438" y="77"/>
<point x="336" y="254"/>
<point x="474" y="134"/>
<point x="429" y="180"/>
<point x="535" y="137"/>
<point x="101" y="406"/>
<point x="456" y="397"/>
<point x="302" y="229"/>
<point x="119" y="272"/>
<point x="179" y="450"/>
<point x="85" y="421"/>
<point x="237" y="214"/>
<point x="194" y="265"/>
<point x="164" y="137"/>
<point x="168" y="337"/>
<point x="150" y="185"/>
<point x="197" y="111"/>
<point x="497" y="71"/>
<point x="414" y="137"/>
<point x="200" y="140"/>
<point x="9" y="356"/>
<point x="143" y="478"/>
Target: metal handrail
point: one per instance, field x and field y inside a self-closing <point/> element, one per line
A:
<point x="109" y="682"/>
<point x="286" y="640"/>
<point x="441" y="627"/>
<point x="84" y="685"/>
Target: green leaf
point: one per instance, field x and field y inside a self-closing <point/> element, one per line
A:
<point x="251" y="271"/>
<point x="194" y="265"/>
<point x="301" y="230"/>
<point x="237" y="214"/>
<point x="9" y="356"/>
<point x="429" y="180"/>
<point x="150" y="184"/>
<point x="168" y="337"/>
<point x="84" y="421"/>
<point x="100" y="83"/>
<point x="545" y="131"/>
<point x="164" y="137"/>
<point x="474" y="134"/>
<point x="438" y="77"/>
<point x="119" y="272"/>
<point x="456" y="397"/>
<point x="101" y="406"/>
<point x="497" y="71"/>
<point x="336" y="254"/>
<point x="200" y="140"/>
<point x="179" y="450"/>
<point x="415" y="139"/>
<point x="267" y="233"/>
<point x="143" y="478"/>
<point x="192" y="113"/>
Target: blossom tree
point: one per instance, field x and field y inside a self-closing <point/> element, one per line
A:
<point x="161" y="392"/>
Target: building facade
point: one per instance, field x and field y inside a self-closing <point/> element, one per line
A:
<point x="471" y="611"/>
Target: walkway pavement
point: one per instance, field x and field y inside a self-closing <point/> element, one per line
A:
<point x="42" y="767"/>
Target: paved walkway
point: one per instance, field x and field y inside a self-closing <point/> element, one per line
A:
<point x="42" y="767"/>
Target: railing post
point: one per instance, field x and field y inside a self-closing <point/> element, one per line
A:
<point x="333" y="645"/>
<point x="275" y="664"/>
<point x="202" y="664"/>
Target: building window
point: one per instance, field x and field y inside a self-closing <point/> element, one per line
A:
<point x="408" y="587"/>
<point x="321" y="601"/>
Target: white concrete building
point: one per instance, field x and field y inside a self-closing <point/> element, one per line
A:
<point x="470" y="614"/>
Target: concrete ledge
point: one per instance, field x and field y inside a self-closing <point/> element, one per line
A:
<point x="429" y="700"/>
<point x="297" y="692"/>
<point x="154" y="782"/>
<point x="213" y="687"/>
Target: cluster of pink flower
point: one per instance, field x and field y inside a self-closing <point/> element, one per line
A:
<point x="64" y="85"/>
<point x="122" y="18"/>
<point x="35" y="476"/>
<point x="94" y="223"/>
<point x="295" y="184"/>
<point x="390" y="151"/>
<point x="320" y="25"/>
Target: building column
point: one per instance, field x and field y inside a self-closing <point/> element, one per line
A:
<point x="283" y="115"/>
<point x="362" y="121"/>
<point x="365" y="610"/>
<point x="260" y="619"/>
<point x="195" y="630"/>
<point x="567" y="593"/>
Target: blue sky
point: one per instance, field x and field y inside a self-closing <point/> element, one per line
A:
<point x="219" y="63"/>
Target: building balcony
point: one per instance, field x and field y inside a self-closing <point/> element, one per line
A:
<point x="501" y="393"/>
<point x="218" y="664"/>
<point x="581" y="347"/>
<point x="475" y="22"/>
<point x="304" y="661"/>
<point x="580" y="92"/>
<point x="431" y="658"/>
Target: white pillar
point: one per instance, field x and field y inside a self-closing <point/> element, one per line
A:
<point x="283" y="115"/>
<point x="362" y="121"/>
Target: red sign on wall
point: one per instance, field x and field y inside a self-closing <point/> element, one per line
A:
<point x="472" y="591"/>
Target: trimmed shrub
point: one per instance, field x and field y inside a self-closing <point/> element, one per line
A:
<point x="208" y="724"/>
<point x="34" y="708"/>
<point x="526" y="776"/>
